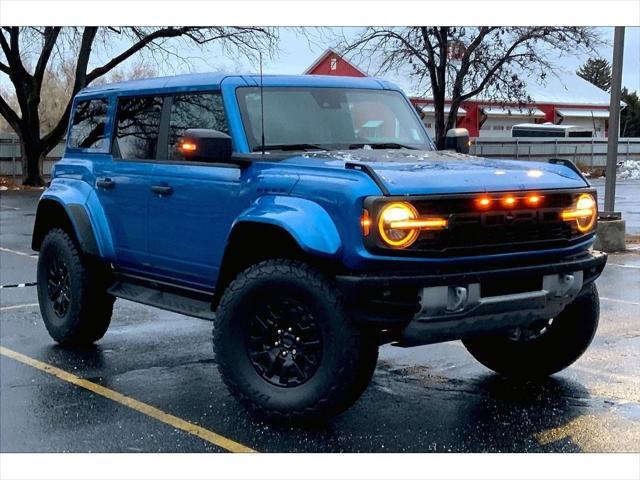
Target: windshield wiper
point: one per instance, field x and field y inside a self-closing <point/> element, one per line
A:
<point x="289" y="147"/>
<point x="355" y="146"/>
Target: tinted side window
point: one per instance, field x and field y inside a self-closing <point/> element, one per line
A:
<point x="88" y="127"/>
<point x="194" y="111"/>
<point x="138" y="127"/>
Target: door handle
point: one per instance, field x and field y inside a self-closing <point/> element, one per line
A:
<point x="162" y="189"/>
<point x="105" y="183"/>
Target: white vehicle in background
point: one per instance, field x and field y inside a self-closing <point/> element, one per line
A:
<point x="549" y="130"/>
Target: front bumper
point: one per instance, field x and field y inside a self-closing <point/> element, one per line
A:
<point x="418" y="308"/>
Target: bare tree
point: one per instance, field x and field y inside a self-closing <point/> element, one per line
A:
<point x="458" y="63"/>
<point x="29" y="53"/>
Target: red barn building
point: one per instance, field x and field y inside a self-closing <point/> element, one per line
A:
<point x="565" y="98"/>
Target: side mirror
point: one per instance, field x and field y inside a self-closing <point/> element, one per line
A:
<point x="457" y="139"/>
<point x="204" y="145"/>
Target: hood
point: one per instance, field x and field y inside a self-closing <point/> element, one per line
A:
<point x="414" y="172"/>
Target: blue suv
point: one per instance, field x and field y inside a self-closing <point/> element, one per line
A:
<point x="312" y="220"/>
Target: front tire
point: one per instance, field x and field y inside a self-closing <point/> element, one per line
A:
<point x="74" y="304"/>
<point x="285" y="346"/>
<point x="560" y="343"/>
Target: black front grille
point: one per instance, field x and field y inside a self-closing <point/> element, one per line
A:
<point x="498" y="229"/>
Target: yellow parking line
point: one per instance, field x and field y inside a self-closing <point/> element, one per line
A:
<point x="16" y="252"/>
<point x="610" y="375"/>
<point x="616" y="300"/>
<point x="622" y="266"/>
<point x="552" y="435"/>
<point x="132" y="403"/>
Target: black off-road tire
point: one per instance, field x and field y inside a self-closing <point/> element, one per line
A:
<point x="348" y="355"/>
<point x="88" y="306"/>
<point x="561" y="344"/>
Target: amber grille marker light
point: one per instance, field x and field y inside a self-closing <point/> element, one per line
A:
<point x="509" y="200"/>
<point x="534" y="200"/>
<point x="483" y="202"/>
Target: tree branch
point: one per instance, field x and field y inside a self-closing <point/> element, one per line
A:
<point x="50" y="38"/>
<point x="50" y="140"/>
<point x="9" y="115"/>
<point x="168" y="32"/>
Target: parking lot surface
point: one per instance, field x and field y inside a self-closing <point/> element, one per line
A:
<point x="151" y="384"/>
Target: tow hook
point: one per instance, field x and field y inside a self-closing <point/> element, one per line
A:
<point x="457" y="298"/>
<point x="565" y="282"/>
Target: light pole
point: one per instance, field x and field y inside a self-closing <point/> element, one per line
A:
<point x="611" y="226"/>
<point x="614" y="125"/>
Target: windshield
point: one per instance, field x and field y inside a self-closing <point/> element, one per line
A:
<point x="300" y="118"/>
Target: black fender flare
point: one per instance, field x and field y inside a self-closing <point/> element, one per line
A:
<point x="72" y="218"/>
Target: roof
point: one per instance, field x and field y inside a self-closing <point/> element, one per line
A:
<point x="539" y="126"/>
<point x="431" y="108"/>
<point x="566" y="88"/>
<point x="512" y="112"/>
<point x="213" y="80"/>
<point x="560" y="87"/>
<point x="328" y="52"/>
<point x="582" y="113"/>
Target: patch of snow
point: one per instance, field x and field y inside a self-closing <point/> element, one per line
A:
<point x="629" y="170"/>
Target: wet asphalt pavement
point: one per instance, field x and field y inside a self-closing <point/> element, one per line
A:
<point x="426" y="399"/>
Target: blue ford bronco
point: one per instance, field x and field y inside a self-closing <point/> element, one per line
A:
<point x="312" y="220"/>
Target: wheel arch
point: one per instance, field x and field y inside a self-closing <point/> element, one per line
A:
<point x="252" y="241"/>
<point x="72" y="218"/>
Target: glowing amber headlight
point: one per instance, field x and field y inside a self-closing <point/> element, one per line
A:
<point x="399" y="224"/>
<point x="583" y="213"/>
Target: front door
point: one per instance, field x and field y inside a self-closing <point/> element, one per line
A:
<point x="192" y="205"/>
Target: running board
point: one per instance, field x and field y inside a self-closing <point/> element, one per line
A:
<point x="159" y="295"/>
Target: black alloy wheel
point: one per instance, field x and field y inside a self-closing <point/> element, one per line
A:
<point x="286" y="345"/>
<point x="72" y="291"/>
<point x="284" y="342"/>
<point x="59" y="286"/>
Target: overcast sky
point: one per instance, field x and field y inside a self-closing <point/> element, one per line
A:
<point x="297" y="53"/>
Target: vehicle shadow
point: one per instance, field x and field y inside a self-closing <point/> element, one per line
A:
<point x="399" y="412"/>
<point x="488" y="413"/>
<point x="85" y="358"/>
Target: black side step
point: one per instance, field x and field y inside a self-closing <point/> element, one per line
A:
<point x="163" y="296"/>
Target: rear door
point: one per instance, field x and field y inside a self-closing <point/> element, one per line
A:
<point x="123" y="185"/>
<point x="190" y="221"/>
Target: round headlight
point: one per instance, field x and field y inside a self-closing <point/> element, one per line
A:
<point x="583" y="212"/>
<point x="586" y="206"/>
<point x="396" y="213"/>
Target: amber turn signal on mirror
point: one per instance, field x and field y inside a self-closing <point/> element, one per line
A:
<point x="187" y="147"/>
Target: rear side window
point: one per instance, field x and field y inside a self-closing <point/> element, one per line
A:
<point x="138" y="127"/>
<point x="89" y="125"/>
<point x="203" y="110"/>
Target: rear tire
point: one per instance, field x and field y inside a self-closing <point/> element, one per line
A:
<point x="565" y="339"/>
<point x="285" y="346"/>
<point x="74" y="304"/>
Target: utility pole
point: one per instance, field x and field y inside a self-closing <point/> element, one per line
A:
<point x="614" y="125"/>
<point x="610" y="235"/>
